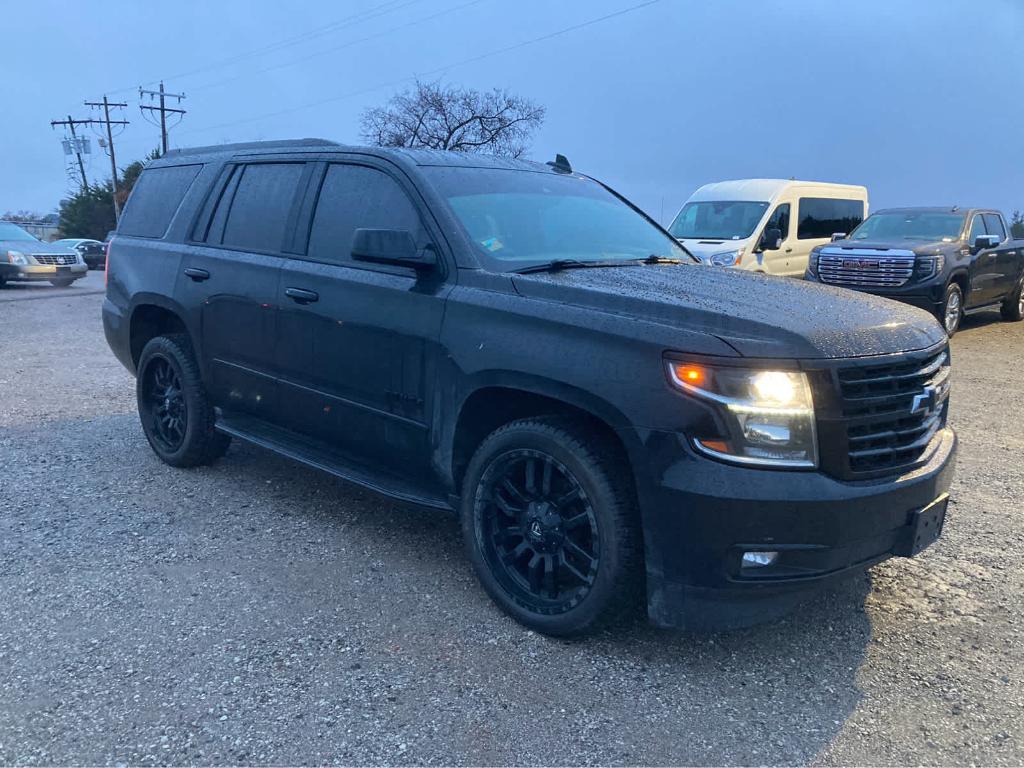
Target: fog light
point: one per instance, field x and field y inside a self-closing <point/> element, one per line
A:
<point x="759" y="559"/>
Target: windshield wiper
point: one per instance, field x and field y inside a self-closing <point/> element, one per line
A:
<point x="559" y="264"/>
<point x="656" y="259"/>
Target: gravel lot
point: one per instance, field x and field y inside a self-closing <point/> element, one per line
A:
<point x="260" y="612"/>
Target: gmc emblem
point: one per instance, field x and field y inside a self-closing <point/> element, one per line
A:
<point x="860" y="263"/>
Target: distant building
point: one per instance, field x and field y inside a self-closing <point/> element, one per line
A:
<point x="45" y="229"/>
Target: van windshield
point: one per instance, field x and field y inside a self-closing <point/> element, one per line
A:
<point x="9" y="231"/>
<point x="718" y="220"/>
<point x="519" y="218"/>
<point x="910" y="225"/>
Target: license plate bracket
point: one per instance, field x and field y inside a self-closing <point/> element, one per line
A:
<point x="61" y="270"/>
<point x="923" y="528"/>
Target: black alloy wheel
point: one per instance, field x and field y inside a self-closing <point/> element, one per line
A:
<point x="163" y="403"/>
<point x="551" y="525"/>
<point x="539" y="531"/>
<point x="176" y="414"/>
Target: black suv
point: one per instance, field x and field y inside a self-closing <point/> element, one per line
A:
<point x="517" y="342"/>
<point x="950" y="261"/>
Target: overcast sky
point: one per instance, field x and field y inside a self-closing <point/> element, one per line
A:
<point x="922" y="101"/>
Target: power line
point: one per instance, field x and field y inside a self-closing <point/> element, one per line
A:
<point x="108" y="123"/>
<point x="348" y="21"/>
<point x="336" y="48"/>
<point x="437" y="70"/>
<point x="162" y="108"/>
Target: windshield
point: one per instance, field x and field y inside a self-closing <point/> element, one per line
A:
<point x="721" y="220"/>
<point x="9" y="231"/>
<point x="910" y="225"/>
<point x="522" y="218"/>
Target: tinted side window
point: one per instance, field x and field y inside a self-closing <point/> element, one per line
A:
<point x="820" y="217"/>
<point x="994" y="225"/>
<point x="977" y="229"/>
<point x="779" y="220"/>
<point x="262" y="203"/>
<point x="155" y="200"/>
<point x="356" y="197"/>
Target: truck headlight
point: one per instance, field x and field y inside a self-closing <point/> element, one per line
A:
<point x="17" y="257"/>
<point x="727" y="258"/>
<point x="930" y="265"/>
<point x="812" y="261"/>
<point x="767" y="415"/>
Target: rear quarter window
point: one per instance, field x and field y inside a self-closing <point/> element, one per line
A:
<point x="155" y="199"/>
<point x="820" y="217"/>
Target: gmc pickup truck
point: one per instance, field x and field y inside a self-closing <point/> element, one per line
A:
<point x="615" y="425"/>
<point x="950" y="261"/>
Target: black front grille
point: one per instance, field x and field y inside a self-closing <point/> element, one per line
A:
<point x="891" y="412"/>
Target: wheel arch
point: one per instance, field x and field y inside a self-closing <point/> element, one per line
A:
<point x="500" y="397"/>
<point x="153" y="315"/>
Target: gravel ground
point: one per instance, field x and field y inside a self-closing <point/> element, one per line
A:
<point x="260" y="612"/>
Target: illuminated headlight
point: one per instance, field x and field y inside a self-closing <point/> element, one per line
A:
<point x="727" y="258"/>
<point x="930" y="265"/>
<point x="767" y="416"/>
<point x="16" y="257"/>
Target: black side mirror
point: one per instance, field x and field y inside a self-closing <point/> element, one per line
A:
<point x="981" y="242"/>
<point x="771" y="240"/>
<point x="391" y="246"/>
<point x="838" y="236"/>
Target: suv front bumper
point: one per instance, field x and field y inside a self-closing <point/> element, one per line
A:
<point x="701" y="515"/>
<point x="30" y="272"/>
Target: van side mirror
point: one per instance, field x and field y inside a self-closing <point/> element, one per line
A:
<point x="981" y="242"/>
<point x="391" y="246"/>
<point x="771" y="240"/>
<point x="838" y="236"/>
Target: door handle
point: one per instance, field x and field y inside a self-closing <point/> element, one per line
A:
<point x="789" y="250"/>
<point x="198" y="275"/>
<point x="301" y="295"/>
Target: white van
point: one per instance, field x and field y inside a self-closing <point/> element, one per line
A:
<point x="766" y="225"/>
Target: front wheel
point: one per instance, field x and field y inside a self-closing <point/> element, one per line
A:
<point x="1013" y="306"/>
<point x="551" y="526"/>
<point x="952" y="309"/>
<point x="176" y="414"/>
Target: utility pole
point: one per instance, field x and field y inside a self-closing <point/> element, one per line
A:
<point x="110" y="143"/>
<point x="163" y="109"/>
<point x="71" y="123"/>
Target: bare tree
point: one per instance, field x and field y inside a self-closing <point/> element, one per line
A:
<point x="435" y="116"/>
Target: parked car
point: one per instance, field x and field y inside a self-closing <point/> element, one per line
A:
<point x="949" y="261"/>
<point x="519" y="343"/>
<point x="93" y="252"/>
<point x="25" y="258"/>
<point x="766" y="225"/>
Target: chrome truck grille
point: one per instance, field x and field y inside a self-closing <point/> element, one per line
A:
<point x="865" y="267"/>
<point x="55" y="260"/>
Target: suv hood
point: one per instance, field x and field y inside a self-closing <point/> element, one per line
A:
<point x="32" y="247"/>
<point x="757" y="315"/>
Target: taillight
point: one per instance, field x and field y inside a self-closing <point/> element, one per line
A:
<point x="106" y="264"/>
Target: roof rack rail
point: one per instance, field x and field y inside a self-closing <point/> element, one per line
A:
<point x="282" y="144"/>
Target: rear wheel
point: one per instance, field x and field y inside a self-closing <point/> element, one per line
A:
<point x="176" y="414"/>
<point x="551" y="526"/>
<point x="1013" y="306"/>
<point x="61" y="283"/>
<point x="952" y="309"/>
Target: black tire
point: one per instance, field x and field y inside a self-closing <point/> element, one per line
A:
<point x="62" y="283"/>
<point x="1013" y="306"/>
<point x="952" y="311"/>
<point x="175" y="412"/>
<point x="587" y="548"/>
